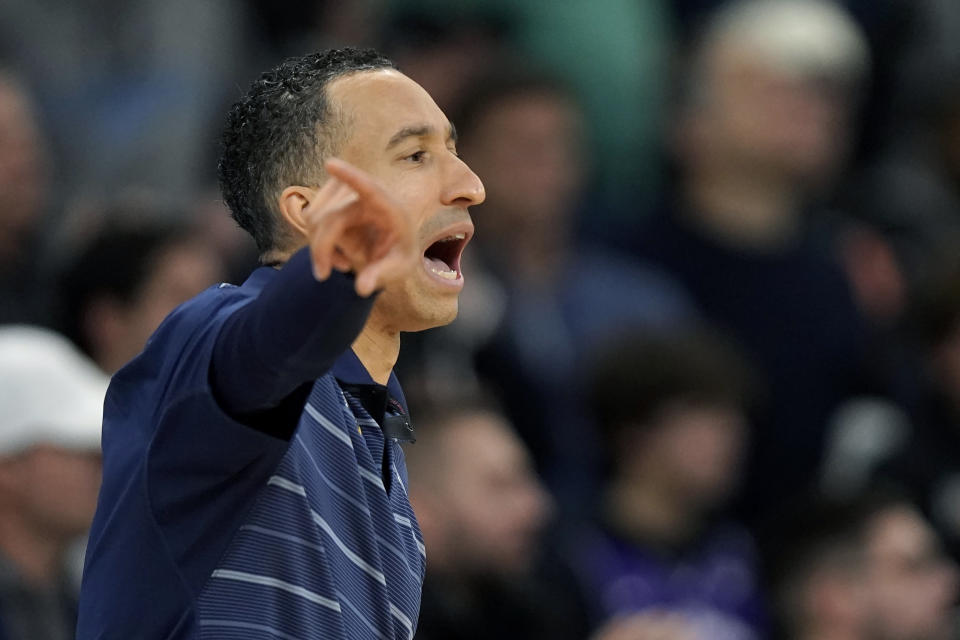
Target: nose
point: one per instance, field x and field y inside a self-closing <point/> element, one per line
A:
<point x="462" y="187"/>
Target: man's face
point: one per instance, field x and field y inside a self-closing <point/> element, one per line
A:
<point x="396" y="133"/>
<point x="695" y="450"/>
<point x="493" y="505"/>
<point x="178" y="272"/>
<point x="912" y="586"/>
<point x="528" y="147"/>
<point x="773" y="122"/>
<point x="55" y="490"/>
<point x="834" y="595"/>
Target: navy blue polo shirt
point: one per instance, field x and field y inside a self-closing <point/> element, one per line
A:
<point x="210" y="528"/>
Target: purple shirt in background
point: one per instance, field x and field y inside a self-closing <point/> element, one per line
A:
<point x="713" y="584"/>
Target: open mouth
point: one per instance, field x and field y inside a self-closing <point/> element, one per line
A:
<point x="442" y="258"/>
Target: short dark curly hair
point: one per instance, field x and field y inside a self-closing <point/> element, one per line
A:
<point x="279" y="133"/>
<point x="636" y="374"/>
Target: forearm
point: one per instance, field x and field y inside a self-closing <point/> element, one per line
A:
<point x="291" y="334"/>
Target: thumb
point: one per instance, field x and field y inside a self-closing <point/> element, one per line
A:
<point x="366" y="281"/>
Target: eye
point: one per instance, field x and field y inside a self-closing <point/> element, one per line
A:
<point x="417" y="156"/>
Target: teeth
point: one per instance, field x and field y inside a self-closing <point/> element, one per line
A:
<point x="447" y="274"/>
<point x="459" y="236"/>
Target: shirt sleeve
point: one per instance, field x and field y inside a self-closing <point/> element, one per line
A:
<point x="269" y="352"/>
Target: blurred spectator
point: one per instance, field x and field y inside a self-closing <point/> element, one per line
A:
<point x="447" y="51"/>
<point x="763" y="128"/>
<point x="51" y="403"/>
<point x="296" y="27"/>
<point x="524" y="134"/>
<point x="907" y="202"/>
<point x="615" y="55"/>
<point x="483" y="512"/>
<point x="922" y="453"/>
<point x="918" y="48"/>
<point x="865" y="568"/>
<point x="23" y="191"/>
<point x="818" y="571"/>
<point x="912" y="586"/>
<point x="128" y="88"/>
<point x="674" y="415"/>
<point x="132" y="270"/>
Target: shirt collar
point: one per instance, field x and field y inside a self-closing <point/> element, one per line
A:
<point x="257" y="280"/>
<point x="349" y="370"/>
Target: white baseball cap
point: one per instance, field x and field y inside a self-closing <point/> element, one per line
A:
<point x="50" y="393"/>
<point x="796" y="36"/>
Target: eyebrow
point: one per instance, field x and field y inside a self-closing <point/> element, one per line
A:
<point x="419" y="131"/>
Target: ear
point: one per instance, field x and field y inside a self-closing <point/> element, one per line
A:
<point x="292" y="203"/>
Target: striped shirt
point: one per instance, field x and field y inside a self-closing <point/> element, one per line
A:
<point x="208" y="528"/>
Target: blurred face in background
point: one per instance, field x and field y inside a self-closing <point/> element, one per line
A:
<point x="120" y="329"/>
<point x="52" y="490"/>
<point x="449" y="63"/>
<point x="486" y="507"/>
<point x="692" y="451"/>
<point x="181" y="271"/>
<point x="781" y="125"/>
<point x="528" y="148"/>
<point x="912" y="586"/>
<point x="833" y="598"/>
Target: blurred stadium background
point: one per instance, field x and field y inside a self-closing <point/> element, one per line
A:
<point x="706" y="379"/>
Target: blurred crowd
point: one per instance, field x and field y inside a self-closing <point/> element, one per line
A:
<point x="705" y="382"/>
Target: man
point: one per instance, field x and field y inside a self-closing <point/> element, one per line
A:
<point x="924" y="458"/>
<point x="483" y="513"/>
<point x="253" y="483"/>
<point x="912" y="585"/>
<point x="124" y="280"/>
<point x="817" y="571"/>
<point x="868" y="568"/>
<point x="51" y="402"/>
<point x="673" y="414"/>
<point x="763" y="128"/>
<point x="525" y="134"/>
<point x="479" y="502"/>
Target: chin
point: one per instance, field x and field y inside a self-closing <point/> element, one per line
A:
<point x="437" y="316"/>
<point x="417" y="306"/>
